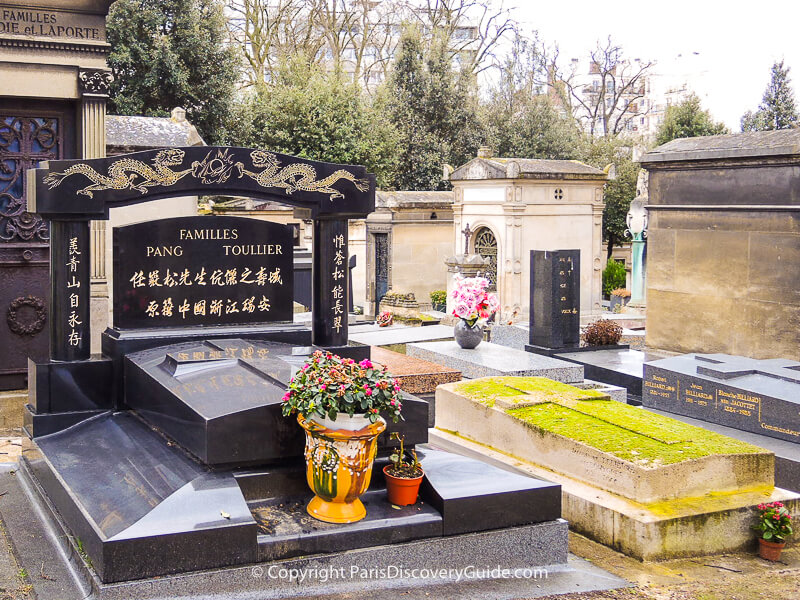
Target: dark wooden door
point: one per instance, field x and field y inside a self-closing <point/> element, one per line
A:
<point x="30" y="132"/>
<point x="381" y="268"/>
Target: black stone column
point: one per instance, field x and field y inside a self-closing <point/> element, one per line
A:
<point x="69" y="293"/>
<point x="329" y="284"/>
<point x="555" y="299"/>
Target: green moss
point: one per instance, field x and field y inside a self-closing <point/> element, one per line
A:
<point x="486" y="390"/>
<point x="647" y="440"/>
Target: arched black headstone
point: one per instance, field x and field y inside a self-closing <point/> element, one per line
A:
<point x="72" y="193"/>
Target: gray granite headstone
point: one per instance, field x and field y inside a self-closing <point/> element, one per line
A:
<point x="761" y="396"/>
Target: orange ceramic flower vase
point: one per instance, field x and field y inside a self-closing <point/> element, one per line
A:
<point x="339" y="467"/>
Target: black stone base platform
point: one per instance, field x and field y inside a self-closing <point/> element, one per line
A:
<point x="142" y="508"/>
<point x="615" y="365"/>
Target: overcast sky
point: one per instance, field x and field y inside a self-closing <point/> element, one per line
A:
<point x="736" y="42"/>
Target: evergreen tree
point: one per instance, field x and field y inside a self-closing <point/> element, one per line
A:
<point x="433" y="111"/>
<point x="687" y="119"/>
<point x="777" y="109"/>
<point x="323" y="116"/>
<point x="168" y="53"/>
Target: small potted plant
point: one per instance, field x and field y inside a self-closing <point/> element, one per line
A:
<point x="338" y="403"/>
<point x="403" y="477"/>
<point x="474" y="306"/>
<point x="775" y="525"/>
<point x="439" y="300"/>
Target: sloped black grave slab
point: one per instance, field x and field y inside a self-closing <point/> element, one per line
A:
<point x="140" y="506"/>
<point x="761" y="396"/>
<point x="221" y="399"/>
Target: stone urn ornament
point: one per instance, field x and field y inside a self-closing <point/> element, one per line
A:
<point x="775" y="525"/>
<point x="474" y="306"/>
<point x="338" y="403"/>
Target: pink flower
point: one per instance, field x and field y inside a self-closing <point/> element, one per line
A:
<point x="322" y="387"/>
<point x="367" y="391"/>
<point x="365" y="364"/>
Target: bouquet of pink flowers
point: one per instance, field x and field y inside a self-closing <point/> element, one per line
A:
<point x="472" y="302"/>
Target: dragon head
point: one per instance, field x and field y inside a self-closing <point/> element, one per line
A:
<point x="170" y="157"/>
<point x="262" y="158"/>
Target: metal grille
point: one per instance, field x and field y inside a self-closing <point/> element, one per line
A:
<point x="381" y="267"/>
<point x="486" y="246"/>
<point x="24" y="143"/>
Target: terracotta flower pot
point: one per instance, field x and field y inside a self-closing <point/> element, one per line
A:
<point x="402" y="491"/>
<point x="339" y="465"/>
<point x="770" y="550"/>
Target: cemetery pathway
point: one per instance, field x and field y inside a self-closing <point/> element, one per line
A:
<point x="725" y="577"/>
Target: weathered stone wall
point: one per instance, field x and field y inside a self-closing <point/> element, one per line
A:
<point x="723" y="252"/>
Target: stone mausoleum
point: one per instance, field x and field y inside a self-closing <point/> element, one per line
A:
<point x="515" y="205"/>
<point x="724" y="245"/>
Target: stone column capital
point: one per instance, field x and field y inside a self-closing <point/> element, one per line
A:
<point x="94" y="82"/>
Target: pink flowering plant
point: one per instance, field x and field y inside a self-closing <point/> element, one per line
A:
<point x="472" y="302"/>
<point x="774" y="522"/>
<point x="329" y="384"/>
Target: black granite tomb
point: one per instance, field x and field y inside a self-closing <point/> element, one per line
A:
<point x="555" y="300"/>
<point x="169" y="452"/>
<point x="761" y="396"/>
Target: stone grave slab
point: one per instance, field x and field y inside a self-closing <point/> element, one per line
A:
<point x="416" y="376"/>
<point x="390" y="336"/>
<point x="575" y="432"/>
<point x="494" y="360"/>
<point x="761" y="396"/>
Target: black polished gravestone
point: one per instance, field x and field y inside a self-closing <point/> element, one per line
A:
<point x="761" y="396"/>
<point x="555" y="300"/>
<point x="189" y="271"/>
<point x="221" y="400"/>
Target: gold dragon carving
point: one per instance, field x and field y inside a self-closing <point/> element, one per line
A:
<point x="128" y="173"/>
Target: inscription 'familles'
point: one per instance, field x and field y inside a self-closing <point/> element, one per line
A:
<point x="215" y="235"/>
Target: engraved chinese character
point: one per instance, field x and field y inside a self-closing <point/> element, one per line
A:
<point x="337" y="324"/>
<point x="166" y="308"/>
<point x="73" y="246"/>
<point x="338" y="258"/>
<point x="200" y="307"/>
<point x="338" y="241"/>
<point x="152" y="309"/>
<point x="200" y="278"/>
<point x="215" y="308"/>
<point x="231" y="307"/>
<point x="337" y="274"/>
<point x="73" y="300"/>
<point x="232" y="353"/>
<point x="215" y="354"/>
<point x="275" y="276"/>
<point x="185" y="278"/>
<point x="198" y="355"/>
<point x="563" y="298"/>
<point x="216" y="277"/>
<point x="249" y="305"/>
<point x="73" y="283"/>
<point x="261" y="276"/>
<point x="262" y="353"/>
<point x="74" y="338"/>
<point x="153" y="279"/>
<point x="184" y="308"/>
<point x="138" y="279"/>
<point x="338" y="308"/>
<point x="183" y="356"/>
<point x="230" y="277"/>
<point x="245" y="276"/>
<point x="338" y="292"/>
<point x="169" y="279"/>
<point x="263" y="305"/>
<point x="73" y="264"/>
<point x="73" y="321"/>
<point x="248" y="352"/>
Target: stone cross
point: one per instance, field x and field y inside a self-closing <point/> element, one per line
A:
<point x="466" y="231"/>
